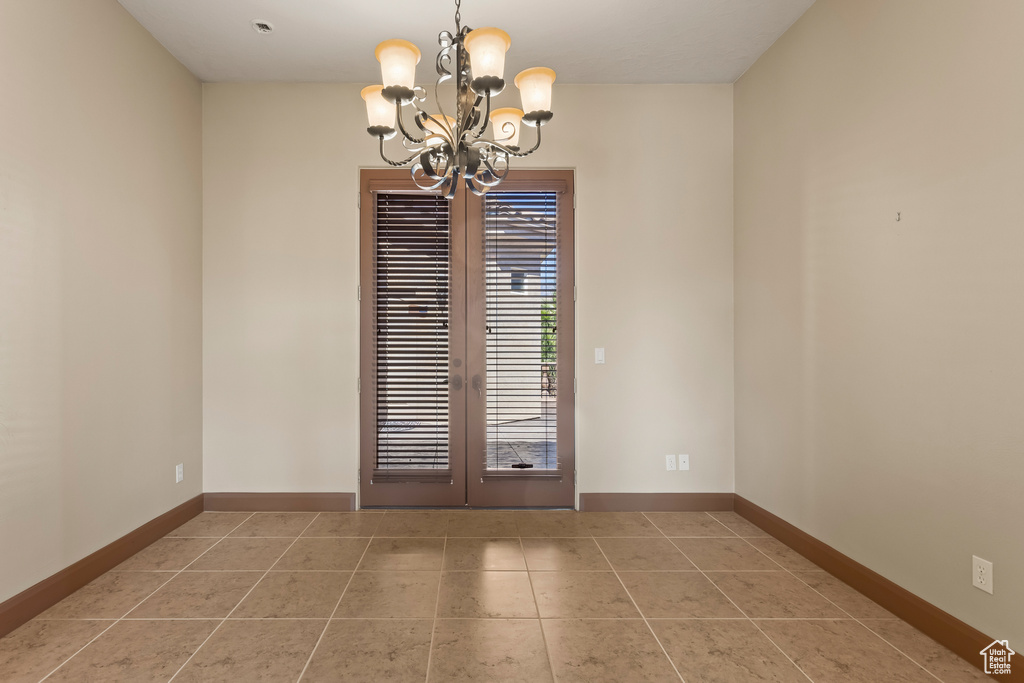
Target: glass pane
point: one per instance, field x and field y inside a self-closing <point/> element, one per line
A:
<point x="521" y="258"/>
<point x="412" y="257"/>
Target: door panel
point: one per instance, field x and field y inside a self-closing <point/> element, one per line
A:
<point x="412" y="291"/>
<point x="520" y="438"/>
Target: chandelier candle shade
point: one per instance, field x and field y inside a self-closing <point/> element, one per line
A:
<point x="445" y="148"/>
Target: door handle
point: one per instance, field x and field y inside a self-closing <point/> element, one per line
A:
<point x="455" y="382"/>
<point x="478" y="385"/>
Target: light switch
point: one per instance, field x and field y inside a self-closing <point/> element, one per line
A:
<point x="599" y="356"/>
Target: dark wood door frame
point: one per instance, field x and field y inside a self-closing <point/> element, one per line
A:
<point x="466" y="482"/>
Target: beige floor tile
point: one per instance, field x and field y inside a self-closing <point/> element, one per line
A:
<point x="242" y="554"/>
<point x="486" y="595"/>
<point x="473" y="523"/>
<point x="35" y="649"/>
<point x="733" y="554"/>
<point x="563" y="554"/>
<point x="467" y="650"/>
<point x="484" y="554"/>
<point x="136" y="651"/>
<point x="688" y="524"/>
<point x="345" y="524"/>
<point x="942" y="662"/>
<point x="204" y="595"/>
<point x="110" y="596"/>
<point x="274" y="524"/>
<point x="723" y="651"/>
<point x="569" y="595"/>
<point x="390" y="595"/>
<point x="254" y="650"/>
<point x="372" y="651"/>
<point x="783" y="554"/>
<point x="211" y="524"/>
<point x="842" y="652"/>
<point x="677" y="595"/>
<point x="166" y="554"/>
<point x="403" y="554"/>
<point x="857" y="605"/>
<point x="550" y="524"/>
<point x="629" y="524"/>
<point x="418" y="524"/>
<point x="739" y="525"/>
<point x="294" y="595"/>
<point x="606" y="651"/>
<point x="644" y="554"/>
<point x="314" y="554"/>
<point x="774" y="595"/>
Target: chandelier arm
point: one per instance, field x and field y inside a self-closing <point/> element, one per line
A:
<point x="497" y="174"/>
<point x="395" y="163"/>
<point x="401" y="127"/>
<point x="487" y="116"/>
<point x="443" y="123"/>
<point x="508" y="150"/>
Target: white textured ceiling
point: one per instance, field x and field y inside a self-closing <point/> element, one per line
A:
<point x="585" y="41"/>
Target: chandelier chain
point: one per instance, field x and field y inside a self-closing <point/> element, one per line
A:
<point x="458" y="16"/>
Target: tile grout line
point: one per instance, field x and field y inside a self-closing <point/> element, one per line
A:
<point x="437" y="602"/>
<point x="335" y="610"/>
<point x="536" y="606"/>
<point x="636" y="606"/>
<point x="841" y="609"/>
<point x="148" y="596"/>
<point x="718" y="588"/>
<point x="249" y="592"/>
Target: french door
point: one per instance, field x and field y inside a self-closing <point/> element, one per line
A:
<point x="466" y="343"/>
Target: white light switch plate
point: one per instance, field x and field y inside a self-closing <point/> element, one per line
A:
<point x="179" y="473"/>
<point x="599" y="356"/>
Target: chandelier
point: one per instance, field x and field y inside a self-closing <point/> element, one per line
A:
<point x="445" y="148"/>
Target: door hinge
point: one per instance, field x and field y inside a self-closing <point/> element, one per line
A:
<point x="574" y="385"/>
<point x="574" y="292"/>
<point x="575" y="477"/>
<point x="574" y="200"/>
<point x="359" y="385"/>
<point x="359" y="201"/>
<point x="359" y="293"/>
<point x="359" y="476"/>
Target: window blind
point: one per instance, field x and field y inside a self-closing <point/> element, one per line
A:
<point x="521" y="256"/>
<point x="412" y="283"/>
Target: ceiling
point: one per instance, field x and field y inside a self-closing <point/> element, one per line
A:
<point x="585" y="41"/>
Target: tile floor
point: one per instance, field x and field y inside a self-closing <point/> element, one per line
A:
<point x="471" y="596"/>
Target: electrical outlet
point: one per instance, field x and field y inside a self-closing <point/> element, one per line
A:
<point x="179" y="473"/>
<point x="670" y="462"/>
<point x="684" y="462"/>
<point x="982" y="574"/>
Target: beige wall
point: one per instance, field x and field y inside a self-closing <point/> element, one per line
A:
<point x="654" y="253"/>
<point x="879" y="364"/>
<point x="100" y="247"/>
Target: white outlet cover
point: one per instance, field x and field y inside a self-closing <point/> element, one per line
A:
<point x="179" y="473"/>
<point x="982" y="574"/>
<point x="599" y="356"/>
<point x="684" y="462"/>
<point x="670" y="462"/>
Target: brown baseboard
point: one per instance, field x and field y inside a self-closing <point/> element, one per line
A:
<point x="280" y="502"/>
<point x="961" y="638"/>
<point x="32" y="601"/>
<point x="656" y="502"/>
